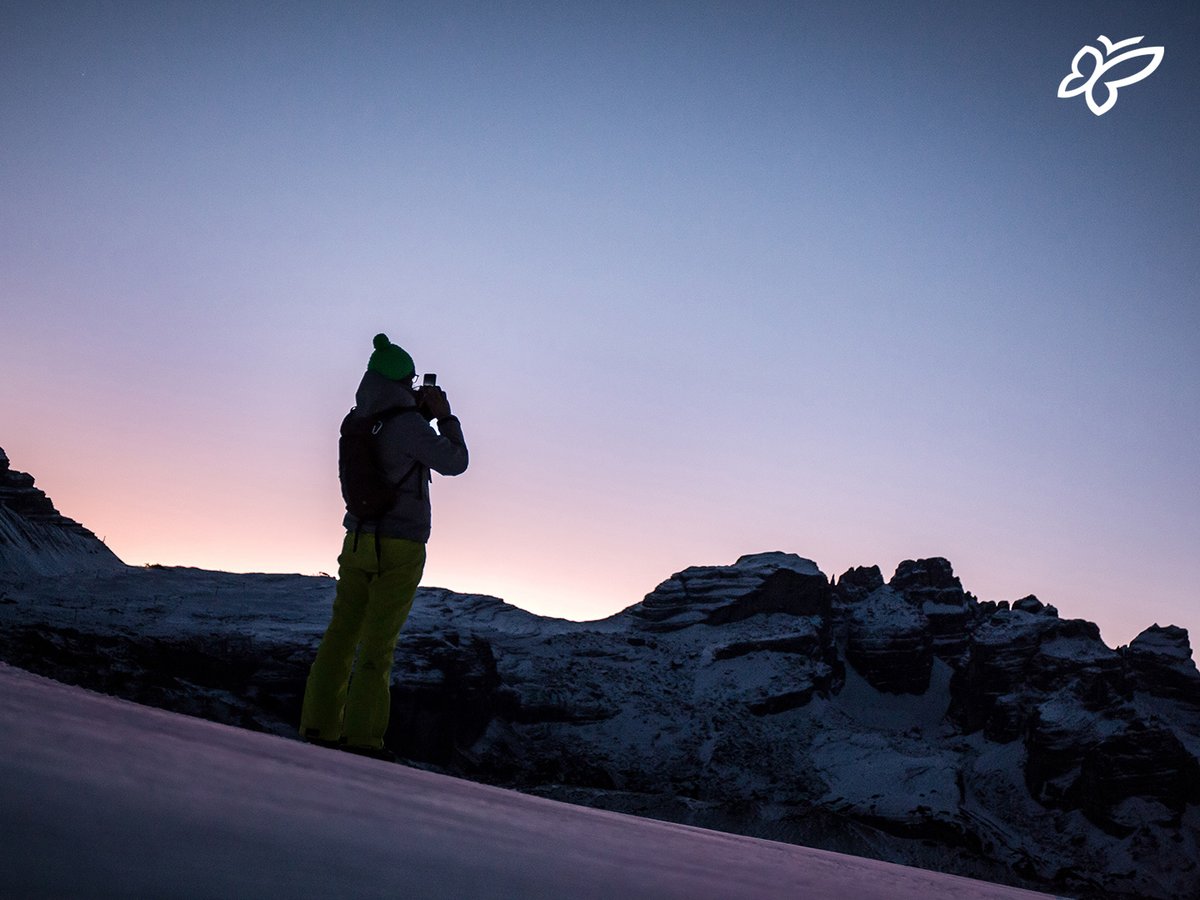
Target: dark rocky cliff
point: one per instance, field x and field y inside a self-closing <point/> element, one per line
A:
<point x="36" y="539"/>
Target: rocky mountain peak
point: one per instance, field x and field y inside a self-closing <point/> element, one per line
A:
<point x="36" y="539"/>
<point x="1165" y="643"/>
<point x="1032" y="604"/>
<point x="756" y="584"/>
<point x="890" y="642"/>
<point x="858" y="582"/>
<point x="928" y="578"/>
<point x="931" y="586"/>
<point x="1162" y="664"/>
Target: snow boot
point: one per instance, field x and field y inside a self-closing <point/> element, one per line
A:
<point x="374" y="752"/>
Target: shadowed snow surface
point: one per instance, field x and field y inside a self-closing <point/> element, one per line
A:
<point x="102" y="797"/>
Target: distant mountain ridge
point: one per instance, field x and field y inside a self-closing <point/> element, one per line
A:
<point x="903" y="719"/>
<point x="36" y="539"/>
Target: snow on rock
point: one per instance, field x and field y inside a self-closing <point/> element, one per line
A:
<point x="1142" y="761"/>
<point x="103" y="798"/>
<point x="1035" y="756"/>
<point x="36" y="540"/>
<point x="1164" y="643"/>
<point x="932" y="586"/>
<point x="996" y="672"/>
<point x="890" y="643"/>
<point x="755" y="584"/>
<point x="1161" y="660"/>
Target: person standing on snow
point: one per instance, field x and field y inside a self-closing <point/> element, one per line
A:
<point x="382" y="560"/>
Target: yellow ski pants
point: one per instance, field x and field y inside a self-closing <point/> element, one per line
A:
<point x="373" y="598"/>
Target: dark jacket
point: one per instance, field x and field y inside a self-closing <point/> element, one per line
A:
<point x="404" y="440"/>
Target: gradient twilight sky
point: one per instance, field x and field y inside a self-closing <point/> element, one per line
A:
<point x="701" y="279"/>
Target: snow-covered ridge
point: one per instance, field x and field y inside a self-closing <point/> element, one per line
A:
<point x="902" y="719"/>
<point x="1037" y="756"/>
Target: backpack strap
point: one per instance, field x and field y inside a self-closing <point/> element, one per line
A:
<point x="390" y="413"/>
<point x="385" y="414"/>
<point x="380" y="418"/>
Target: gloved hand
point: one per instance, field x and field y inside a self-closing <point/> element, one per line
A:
<point x="434" y="402"/>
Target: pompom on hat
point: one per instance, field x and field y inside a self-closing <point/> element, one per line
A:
<point x="391" y="361"/>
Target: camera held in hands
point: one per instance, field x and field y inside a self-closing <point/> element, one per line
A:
<point x="427" y="387"/>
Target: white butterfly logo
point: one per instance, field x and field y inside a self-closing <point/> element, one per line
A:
<point x="1089" y="83"/>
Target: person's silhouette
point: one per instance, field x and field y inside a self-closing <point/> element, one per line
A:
<point x="347" y="700"/>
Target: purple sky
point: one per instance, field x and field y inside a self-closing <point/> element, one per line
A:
<point x="701" y="279"/>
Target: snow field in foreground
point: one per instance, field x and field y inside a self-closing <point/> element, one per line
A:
<point x="102" y="797"/>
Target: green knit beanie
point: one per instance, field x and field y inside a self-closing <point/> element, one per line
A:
<point x="390" y="361"/>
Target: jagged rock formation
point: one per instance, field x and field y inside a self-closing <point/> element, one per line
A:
<point x="890" y="644"/>
<point x="755" y="697"/>
<point x="904" y="720"/>
<point x="714" y="595"/>
<point x="1161" y="662"/>
<point x="1091" y="742"/>
<point x="36" y="540"/>
<point x="931" y="586"/>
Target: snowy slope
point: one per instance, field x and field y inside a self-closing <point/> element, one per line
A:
<point x="102" y="797"/>
<point x="1039" y="758"/>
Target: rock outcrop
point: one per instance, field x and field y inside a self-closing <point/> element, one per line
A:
<point x="932" y="587"/>
<point x="1053" y="684"/>
<point x="35" y="539"/>
<point x="890" y="643"/>
<point x="715" y="595"/>
<point x="1161" y="664"/>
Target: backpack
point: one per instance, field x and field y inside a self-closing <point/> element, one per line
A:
<point x="368" y="492"/>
